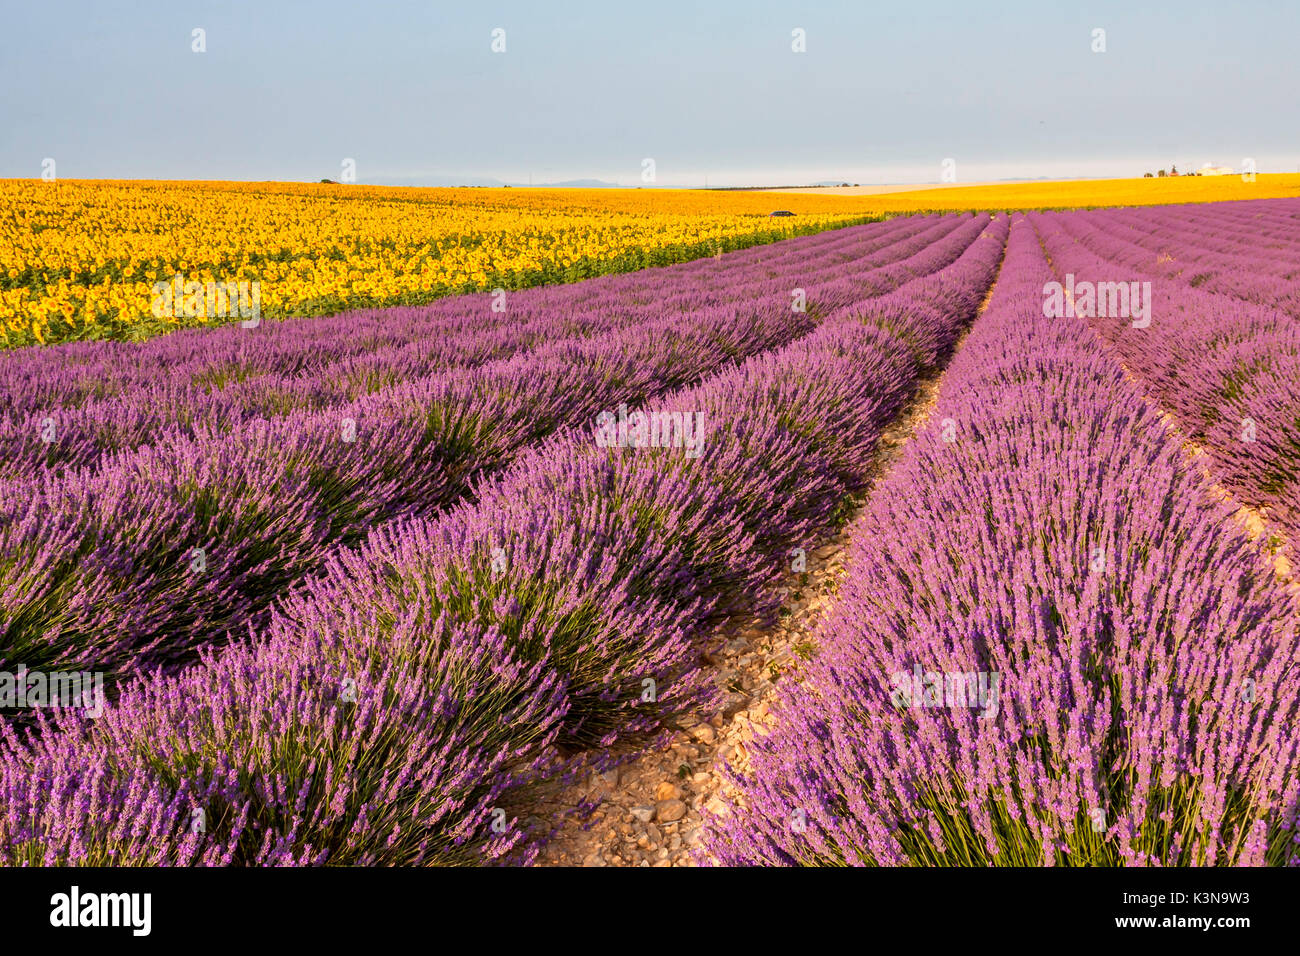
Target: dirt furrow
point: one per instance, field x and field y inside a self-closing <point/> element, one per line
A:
<point x="647" y="810"/>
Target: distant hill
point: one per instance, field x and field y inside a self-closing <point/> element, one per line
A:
<point x="438" y="181"/>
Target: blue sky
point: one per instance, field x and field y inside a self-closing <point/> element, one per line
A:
<point x="414" y="93"/>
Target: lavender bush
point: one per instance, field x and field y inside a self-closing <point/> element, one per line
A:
<point x="1053" y="648"/>
<point x="170" y="546"/>
<point x="1226" y="369"/>
<point x="395" y="706"/>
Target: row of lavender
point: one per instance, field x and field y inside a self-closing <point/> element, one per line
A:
<point x="1248" y="250"/>
<point x="209" y="391"/>
<point x="1054" y="648"/>
<point x="1226" y="369"/>
<point x="168" y="547"/>
<point x="394" y="707"/>
<point x="67" y="375"/>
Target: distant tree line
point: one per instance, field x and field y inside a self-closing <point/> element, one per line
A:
<point x="1172" y="171"/>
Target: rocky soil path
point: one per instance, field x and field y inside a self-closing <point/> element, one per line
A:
<point x="648" y="811"/>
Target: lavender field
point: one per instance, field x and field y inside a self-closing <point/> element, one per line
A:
<point x="944" y="540"/>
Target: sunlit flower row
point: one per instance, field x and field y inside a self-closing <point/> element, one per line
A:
<point x="79" y="260"/>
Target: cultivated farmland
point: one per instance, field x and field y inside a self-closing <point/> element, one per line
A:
<point x="372" y="588"/>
